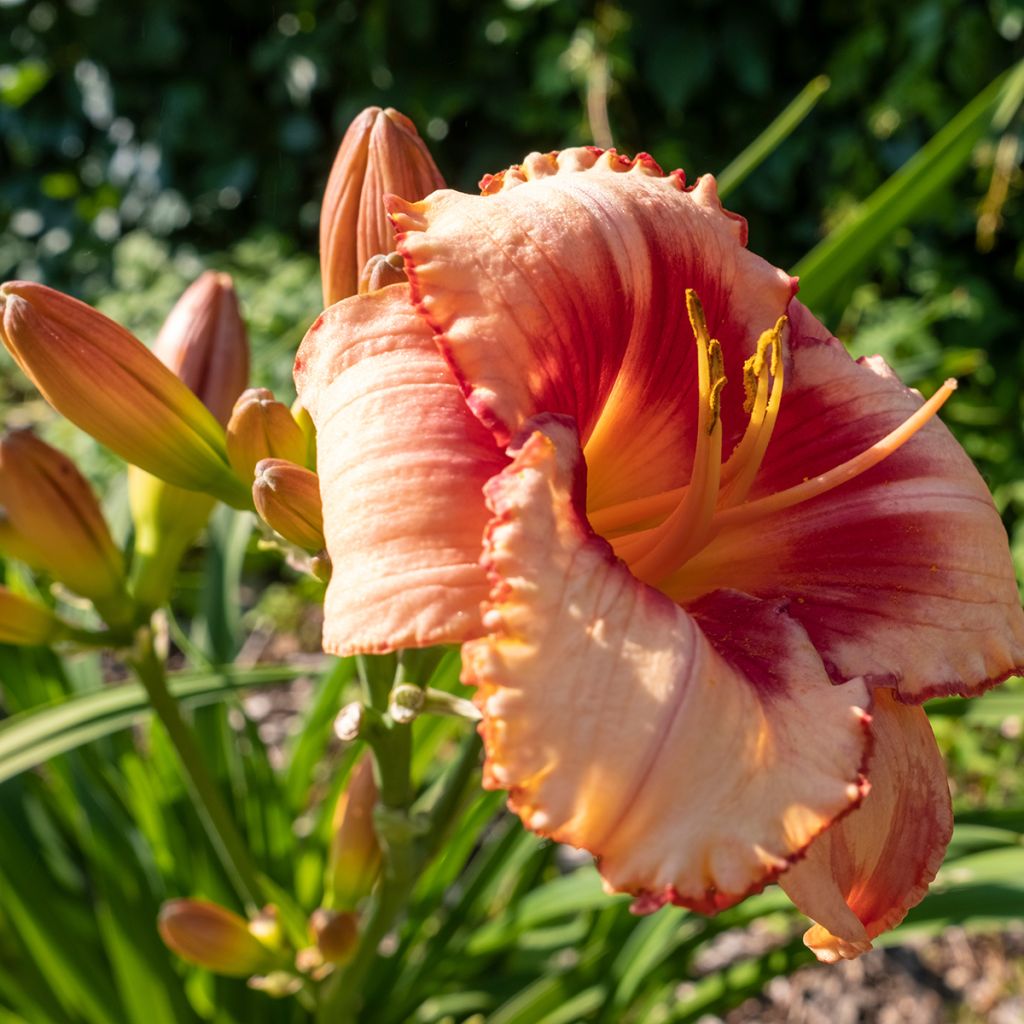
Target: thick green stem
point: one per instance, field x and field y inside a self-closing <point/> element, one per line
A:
<point x="210" y="805"/>
<point x="408" y="840"/>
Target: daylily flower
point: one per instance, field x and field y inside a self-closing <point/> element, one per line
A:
<point x="721" y="560"/>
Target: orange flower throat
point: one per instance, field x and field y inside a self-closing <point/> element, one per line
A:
<point x="658" y="536"/>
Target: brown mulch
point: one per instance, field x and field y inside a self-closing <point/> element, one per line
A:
<point x="957" y="978"/>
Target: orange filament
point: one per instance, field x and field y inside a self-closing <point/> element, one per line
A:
<point x="895" y="439"/>
<point x="687" y="527"/>
<point x="659" y="534"/>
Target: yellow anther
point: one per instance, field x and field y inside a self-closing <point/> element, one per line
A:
<point x="695" y="311"/>
<point x="716" y="376"/>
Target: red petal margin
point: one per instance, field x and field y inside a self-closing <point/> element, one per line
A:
<point x="694" y="765"/>
<point x="861" y="877"/>
<point x="902" y="575"/>
<point x="564" y="292"/>
<point x="402" y="463"/>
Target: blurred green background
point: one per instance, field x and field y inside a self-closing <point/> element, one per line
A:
<point x="142" y="140"/>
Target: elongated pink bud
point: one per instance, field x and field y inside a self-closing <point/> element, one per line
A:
<point x="381" y="153"/>
<point x="354" y="858"/>
<point x="108" y="383"/>
<point x="50" y="518"/>
<point x="211" y="936"/>
<point x="204" y="343"/>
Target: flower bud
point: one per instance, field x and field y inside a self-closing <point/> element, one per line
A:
<point x="107" y="382"/>
<point x="381" y="153"/>
<point x="287" y="497"/>
<point x="263" y="428"/>
<point x="211" y="936"/>
<point x="203" y="342"/>
<point x="301" y="416"/>
<point x="354" y="857"/>
<point x="25" y="622"/>
<point x="406" y="702"/>
<point x="349" y="722"/>
<point x="380" y="271"/>
<point x="336" y="934"/>
<point x="53" y="522"/>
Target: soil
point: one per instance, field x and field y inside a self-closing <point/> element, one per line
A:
<point x="957" y="978"/>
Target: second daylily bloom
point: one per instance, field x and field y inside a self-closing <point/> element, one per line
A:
<point x="719" y="556"/>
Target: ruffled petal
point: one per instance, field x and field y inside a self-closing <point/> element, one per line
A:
<point x="901" y="575"/>
<point x="564" y="292"/>
<point x="401" y="462"/>
<point x="693" y="755"/>
<point x="861" y="877"/>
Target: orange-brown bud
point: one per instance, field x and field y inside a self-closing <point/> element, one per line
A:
<point x="204" y="343"/>
<point x="211" y="936"/>
<point x="263" y="428"/>
<point x="107" y="382"/>
<point x="25" y="622"/>
<point x="52" y="520"/>
<point x="287" y="497"/>
<point x="336" y="934"/>
<point x="380" y="271"/>
<point x="381" y="153"/>
<point x="354" y="857"/>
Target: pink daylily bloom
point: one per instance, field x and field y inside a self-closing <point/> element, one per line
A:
<point x="721" y="561"/>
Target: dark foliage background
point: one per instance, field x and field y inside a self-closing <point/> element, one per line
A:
<point x="199" y="122"/>
<point x="142" y="139"/>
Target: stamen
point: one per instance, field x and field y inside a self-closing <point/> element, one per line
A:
<point x="761" y="371"/>
<point x="654" y="553"/>
<point x="742" y="515"/>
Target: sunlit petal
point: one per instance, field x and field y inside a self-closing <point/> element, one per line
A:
<point x="694" y="755"/>
<point x="862" y="876"/>
<point x="401" y="462"/>
<point x="565" y="293"/>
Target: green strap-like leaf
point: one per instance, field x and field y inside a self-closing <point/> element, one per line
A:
<point x="32" y="737"/>
<point x="772" y="137"/>
<point x="831" y="263"/>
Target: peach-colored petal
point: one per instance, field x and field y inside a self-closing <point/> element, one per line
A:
<point x="693" y="755"/>
<point x="861" y="877"/>
<point x="401" y="463"/>
<point x="903" y="574"/>
<point x="565" y="294"/>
